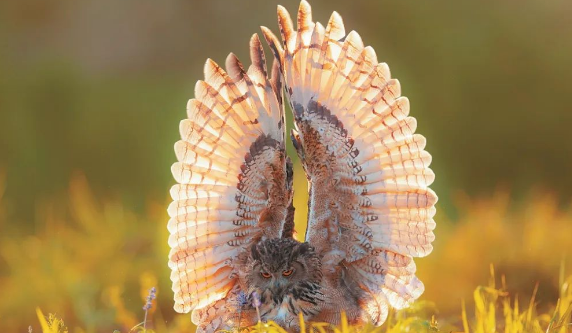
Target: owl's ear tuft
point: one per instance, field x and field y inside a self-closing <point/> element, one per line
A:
<point x="254" y="252"/>
<point x="302" y="249"/>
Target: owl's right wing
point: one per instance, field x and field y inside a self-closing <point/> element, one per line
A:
<point x="234" y="179"/>
<point x="370" y="208"/>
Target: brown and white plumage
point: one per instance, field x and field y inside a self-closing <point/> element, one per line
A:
<point x="370" y="208"/>
<point x="233" y="188"/>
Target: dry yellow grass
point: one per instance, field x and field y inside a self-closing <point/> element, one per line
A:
<point x="526" y="242"/>
<point x="91" y="262"/>
<point x="495" y="311"/>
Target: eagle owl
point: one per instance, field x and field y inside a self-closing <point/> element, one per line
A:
<point x="232" y="218"/>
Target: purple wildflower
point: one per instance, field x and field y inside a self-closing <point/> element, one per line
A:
<point x="150" y="298"/>
<point x="256" y="300"/>
<point x="148" y="305"/>
<point x="256" y="303"/>
<point x="242" y="299"/>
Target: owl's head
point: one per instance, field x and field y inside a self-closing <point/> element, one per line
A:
<point x="279" y="265"/>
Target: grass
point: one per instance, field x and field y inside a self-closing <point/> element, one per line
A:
<point x="91" y="261"/>
<point x="495" y="311"/>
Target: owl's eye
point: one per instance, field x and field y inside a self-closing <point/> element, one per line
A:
<point x="266" y="275"/>
<point x="288" y="272"/>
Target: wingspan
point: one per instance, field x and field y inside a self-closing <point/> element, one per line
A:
<point x="233" y="186"/>
<point x="370" y="208"/>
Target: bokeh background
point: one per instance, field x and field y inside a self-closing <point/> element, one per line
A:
<point x="91" y="94"/>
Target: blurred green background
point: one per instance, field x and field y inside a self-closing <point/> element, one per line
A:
<point x="91" y="94"/>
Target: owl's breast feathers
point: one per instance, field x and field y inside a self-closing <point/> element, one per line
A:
<point x="283" y="305"/>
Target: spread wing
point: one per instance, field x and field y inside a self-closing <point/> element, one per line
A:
<point x="233" y="184"/>
<point x="370" y="208"/>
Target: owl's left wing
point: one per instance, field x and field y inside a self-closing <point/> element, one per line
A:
<point x="234" y="181"/>
<point x="370" y="208"/>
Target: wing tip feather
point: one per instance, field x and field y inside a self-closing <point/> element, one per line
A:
<point x="234" y="67"/>
<point x="304" y="16"/>
<point x="285" y="24"/>
<point x="273" y="43"/>
<point x="335" y="28"/>
<point x="257" y="55"/>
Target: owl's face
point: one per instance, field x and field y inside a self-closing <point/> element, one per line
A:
<point x="282" y="267"/>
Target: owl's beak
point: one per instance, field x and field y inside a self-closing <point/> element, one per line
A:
<point x="279" y="281"/>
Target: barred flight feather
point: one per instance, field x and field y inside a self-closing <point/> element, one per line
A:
<point x="231" y="172"/>
<point x="358" y="145"/>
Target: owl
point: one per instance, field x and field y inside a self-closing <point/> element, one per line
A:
<point x="234" y="257"/>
